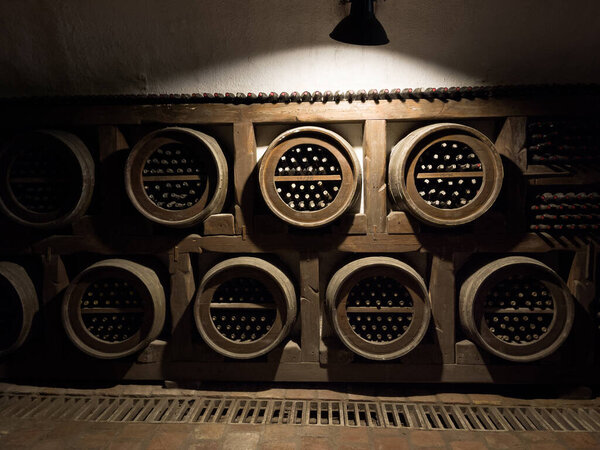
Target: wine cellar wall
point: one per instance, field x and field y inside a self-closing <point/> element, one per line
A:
<point x="384" y="237"/>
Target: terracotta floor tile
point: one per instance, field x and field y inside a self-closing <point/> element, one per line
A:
<point x="281" y="433"/>
<point x="241" y="440"/>
<point x="426" y="439"/>
<point x="468" y="445"/>
<point x="315" y="443"/>
<point x="390" y="443"/>
<point x="579" y="440"/>
<point x="501" y="441"/>
<point x="208" y="431"/>
<point x="206" y="445"/>
<point x="547" y="446"/>
<point x="167" y="440"/>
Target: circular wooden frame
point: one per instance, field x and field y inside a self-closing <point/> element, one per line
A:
<point x="18" y="279"/>
<point x="275" y="281"/>
<point x="348" y="276"/>
<point x="473" y="295"/>
<point x="402" y="172"/>
<point x="143" y="280"/>
<point x="80" y="161"/>
<point x="341" y="150"/>
<point x="213" y="197"/>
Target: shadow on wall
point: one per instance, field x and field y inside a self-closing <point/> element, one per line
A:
<point x="184" y="46"/>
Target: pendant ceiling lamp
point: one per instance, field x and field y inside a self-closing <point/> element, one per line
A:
<point x="361" y="27"/>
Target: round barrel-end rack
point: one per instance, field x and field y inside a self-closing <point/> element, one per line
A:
<point x="309" y="176"/>
<point x="177" y="176"/>
<point x="244" y="307"/>
<point x="18" y="306"/>
<point x="46" y="179"/>
<point x="516" y="308"/>
<point x="114" y="308"/>
<point x="379" y="307"/>
<point x="445" y="174"/>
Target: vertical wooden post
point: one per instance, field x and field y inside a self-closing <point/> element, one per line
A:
<point x="55" y="280"/>
<point x="111" y="142"/>
<point x="580" y="281"/>
<point x="244" y="143"/>
<point x="511" y="145"/>
<point x="443" y="304"/>
<point x="511" y="141"/>
<point x="183" y="288"/>
<point x="310" y="307"/>
<point x="375" y="167"/>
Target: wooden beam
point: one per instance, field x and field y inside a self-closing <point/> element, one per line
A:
<point x="310" y="307"/>
<point x="443" y="304"/>
<point x="302" y="112"/>
<point x="511" y="141"/>
<point x="181" y="299"/>
<point x="55" y="281"/>
<point x="580" y="281"/>
<point x="375" y="166"/>
<point x="244" y="181"/>
<point x="113" y="151"/>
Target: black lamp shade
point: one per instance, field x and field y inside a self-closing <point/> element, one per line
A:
<point x="361" y="27"/>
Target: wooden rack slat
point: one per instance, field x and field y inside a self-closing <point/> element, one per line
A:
<point x="172" y="177"/>
<point x="242" y="305"/>
<point x="449" y="175"/>
<point x="307" y="178"/>
<point x="111" y="310"/>
<point x="380" y="310"/>
<point x="518" y="311"/>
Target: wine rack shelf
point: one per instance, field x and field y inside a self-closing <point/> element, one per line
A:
<point x="48" y="179"/>
<point x="113" y="309"/>
<point x="397" y="237"/>
<point x="309" y="176"/>
<point x="445" y="174"/>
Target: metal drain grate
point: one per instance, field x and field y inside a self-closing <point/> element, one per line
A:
<point x="424" y="416"/>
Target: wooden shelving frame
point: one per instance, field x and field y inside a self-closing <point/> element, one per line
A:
<point x="312" y="353"/>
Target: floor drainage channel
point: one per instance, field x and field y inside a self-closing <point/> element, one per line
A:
<point x="423" y="416"/>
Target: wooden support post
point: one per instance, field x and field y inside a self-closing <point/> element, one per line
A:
<point x="580" y="281"/>
<point x="443" y="304"/>
<point x="55" y="280"/>
<point x="310" y="307"/>
<point x="511" y="141"/>
<point x="183" y="288"/>
<point x="113" y="151"/>
<point x="244" y="165"/>
<point x="511" y="145"/>
<point x="375" y="166"/>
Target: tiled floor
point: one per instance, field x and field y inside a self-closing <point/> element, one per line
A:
<point x="30" y="434"/>
<point x="15" y="433"/>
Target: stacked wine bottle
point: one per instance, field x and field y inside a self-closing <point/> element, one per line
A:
<point x="242" y="309"/>
<point x="516" y="308"/>
<point x="112" y="310"/>
<point x="448" y="175"/>
<point x="445" y="174"/>
<point x="308" y="177"/>
<point x="48" y="178"/>
<point x="379" y="309"/>
<point x="563" y="141"/>
<point x="570" y="211"/>
<point x="175" y="177"/>
<point x="519" y="310"/>
<point x="40" y="179"/>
